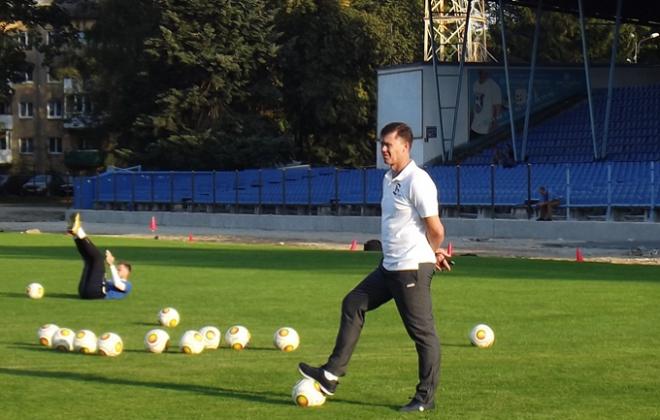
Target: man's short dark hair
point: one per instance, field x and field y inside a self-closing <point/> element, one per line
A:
<point x="400" y="129"/>
<point x="127" y="265"/>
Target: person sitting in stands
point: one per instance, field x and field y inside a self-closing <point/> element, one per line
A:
<point x="546" y="204"/>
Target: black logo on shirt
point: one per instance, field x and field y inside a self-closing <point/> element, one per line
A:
<point x="397" y="188"/>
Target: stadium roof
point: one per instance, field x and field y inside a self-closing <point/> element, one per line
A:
<point x="640" y="12"/>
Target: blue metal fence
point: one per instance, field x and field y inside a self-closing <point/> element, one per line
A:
<point x="600" y="184"/>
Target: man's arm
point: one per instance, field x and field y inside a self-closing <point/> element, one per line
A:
<point x="116" y="280"/>
<point x="435" y="234"/>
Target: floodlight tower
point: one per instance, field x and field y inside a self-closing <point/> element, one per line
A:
<point x="447" y="26"/>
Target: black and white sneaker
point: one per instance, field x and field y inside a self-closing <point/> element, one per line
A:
<point x="327" y="386"/>
<point x="416" y="405"/>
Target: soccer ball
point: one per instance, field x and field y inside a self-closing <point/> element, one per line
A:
<point x="307" y="393"/>
<point x="45" y="334"/>
<point x="237" y="337"/>
<point x="156" y="340"/>
<point x="286" y="339"/>
<point x="63" y="339"/>
<point x="110" y="344"/>
<point x="211" y="337"/>
<point x="169" y="317"/>
<point x="85" y="342"/>
<point x="192" y="342"/>
<point x="482" y="336"/>
<point x="35" y="290"/>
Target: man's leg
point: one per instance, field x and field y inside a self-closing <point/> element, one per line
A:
<point x="412" y="294"/>
<point x="366" y="296"/>
<point x="92" y="279"/>
<point x="369" y="294"/>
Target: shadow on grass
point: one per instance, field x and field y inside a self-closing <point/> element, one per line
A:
<point x="148" y="324"/>
<point x="29" y="347"/>
<point x="213" y="257"/>
<point x="253" y="396"/>
<point x="13" y="295"/>
<point x="63" y="296"/>
<point x="456" y="345"/>
<point x="47" y="296"/>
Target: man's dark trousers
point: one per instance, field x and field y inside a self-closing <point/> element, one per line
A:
<point x="92" y="279"/>
<point x="411" y="291"/>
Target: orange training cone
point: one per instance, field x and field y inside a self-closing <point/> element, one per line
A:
<point x="578" y="255"/>
<point x="450" y="249"/>
<point x="353" y="245"/>
<point x="153" y="226"/>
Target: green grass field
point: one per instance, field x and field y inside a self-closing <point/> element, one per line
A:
<point x="574" y="341"/>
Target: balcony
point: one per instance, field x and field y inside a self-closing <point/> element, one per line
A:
<point x="78" y="121"/>
<point x="72" y="86"/>
<point x="6" y="122"/>
<point x="5" y="156"/>
<point x="89" y="158"/>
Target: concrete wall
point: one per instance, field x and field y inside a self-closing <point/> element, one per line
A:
<point x="595" y="231"/>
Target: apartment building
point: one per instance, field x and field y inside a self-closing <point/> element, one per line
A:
<point x="46" y="127"/>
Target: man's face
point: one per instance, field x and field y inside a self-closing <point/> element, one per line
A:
<point x="123" y="271"/>
<point x="395" y="150"/>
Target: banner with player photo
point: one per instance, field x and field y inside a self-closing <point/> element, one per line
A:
<point x="489" y="105"/>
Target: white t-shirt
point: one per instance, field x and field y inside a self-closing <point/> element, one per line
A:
<point x="407" y="199"/>
<point x="486" y="95"/>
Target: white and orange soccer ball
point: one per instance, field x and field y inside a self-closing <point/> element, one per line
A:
<point x="307" y="393"/>
<point x="237" y="337"/>
<point x="169" y="317"/>
<point x="286" y="339"/>
<point x="85" y="342"/>
<point x="45" y="334"/>
<point x="63" y="339"/>
<point x="211" y="336"/>
<point x="482" y="336"/>
<point x="35" y="290"/>
<point x="110" y="344"/>
<point x="192" y="342"/>
<point x="156" y="340"/>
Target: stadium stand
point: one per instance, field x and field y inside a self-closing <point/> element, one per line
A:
<point x="634" y="133"/>
<point x="560" y="157"/>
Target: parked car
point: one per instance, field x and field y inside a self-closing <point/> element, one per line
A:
<point x="3" y="182"/>
<point x="66" y="187"/>
<point x="41" y="184"/>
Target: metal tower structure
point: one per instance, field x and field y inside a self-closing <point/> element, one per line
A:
<point x="447" y="25"/>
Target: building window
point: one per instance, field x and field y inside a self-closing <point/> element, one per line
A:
<point x="87" y="144"/>
<point x="5" y="141"/>
<point x="5" y="109"/>
<point x="26" y="110"/>
<point x="26" y="145"/>
<point x="81" y="104"/>
<point x="54" y="109"/>
<point x="50" y="78"/>
<point x="50" y="37"/>
<point x="27" y="76"/>
<point x="55" y="145"/>
<point x="24" y="39"/>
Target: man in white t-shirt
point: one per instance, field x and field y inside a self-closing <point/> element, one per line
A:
<point x="487" y="105"/>
<point x="411" y="234"/>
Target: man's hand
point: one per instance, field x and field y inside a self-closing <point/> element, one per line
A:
<point x="442" y="260"/>
<point x="109" y="258"/>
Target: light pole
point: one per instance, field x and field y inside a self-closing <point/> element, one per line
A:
<point x="638" y="44"/>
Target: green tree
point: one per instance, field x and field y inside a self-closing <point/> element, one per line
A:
<point x="560" y="40"/>
<point x="19" y="16"/>
<point x="327" y="64"/>
<point x="186" y="84"/>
